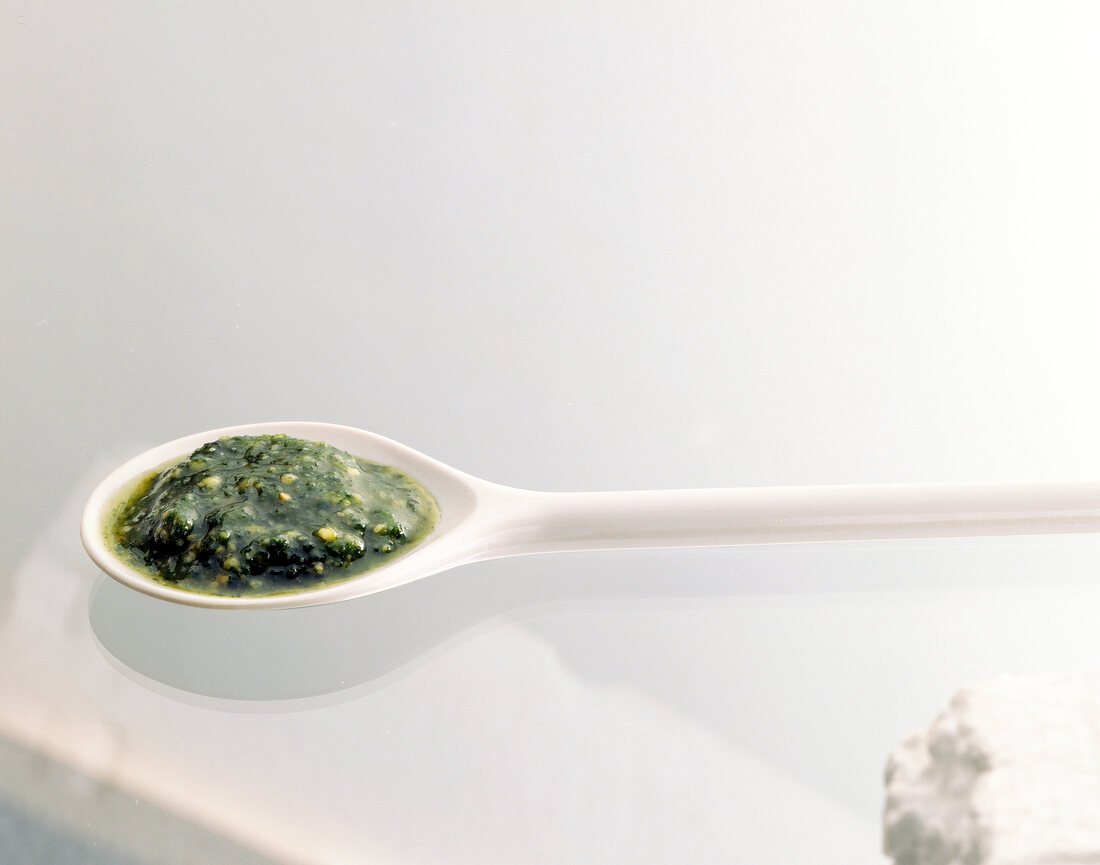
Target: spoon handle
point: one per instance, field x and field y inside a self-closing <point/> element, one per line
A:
<point x="549" y="522"/>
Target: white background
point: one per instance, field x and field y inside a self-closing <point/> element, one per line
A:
<point x="565" y="247"/>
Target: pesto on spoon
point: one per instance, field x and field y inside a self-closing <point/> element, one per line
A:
<point x="479" y="520"/>
<point x="265" y="514"/>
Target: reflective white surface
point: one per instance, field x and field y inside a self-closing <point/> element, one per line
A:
<point x="563" y="248"/>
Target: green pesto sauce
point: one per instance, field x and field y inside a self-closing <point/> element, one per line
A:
<point x="264" y="515"/>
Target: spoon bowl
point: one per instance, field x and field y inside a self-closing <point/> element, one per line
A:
<point x="481" y="520"/>
<point x="450" y="544"/>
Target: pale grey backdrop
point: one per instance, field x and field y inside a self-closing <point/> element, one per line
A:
<point x="568" y="246"/>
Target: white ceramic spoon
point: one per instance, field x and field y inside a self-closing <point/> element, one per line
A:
<point x="482" y="520"/>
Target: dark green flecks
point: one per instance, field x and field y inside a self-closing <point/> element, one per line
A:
<point x="259" y="515"/>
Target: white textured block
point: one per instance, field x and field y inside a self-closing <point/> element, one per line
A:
<point x="1009" y="774"/>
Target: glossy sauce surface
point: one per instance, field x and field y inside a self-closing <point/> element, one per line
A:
<point x="268" y="514"/>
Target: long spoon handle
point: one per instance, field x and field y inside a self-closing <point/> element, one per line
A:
<point x="549" y="522"/>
